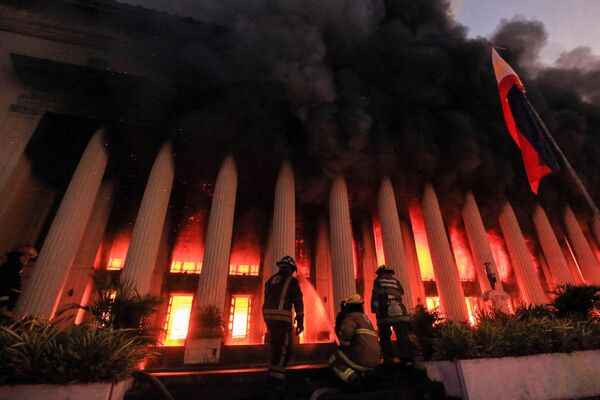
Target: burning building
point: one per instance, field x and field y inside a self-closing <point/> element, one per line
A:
<point x="189" y="155"/>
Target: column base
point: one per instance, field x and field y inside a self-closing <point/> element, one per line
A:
<point x="202" y="351"/>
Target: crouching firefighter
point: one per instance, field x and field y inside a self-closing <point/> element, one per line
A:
<point x="358" y="352"/>
<point x="282" y="291"/>
<point x="391" y="313"/>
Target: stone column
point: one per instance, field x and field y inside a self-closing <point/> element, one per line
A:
<point x="412" y="260"/>
<point x="391" y="234"/>
<point x="527" y="279"/>
<point x="596" y="229"/>
<point x="64" y="237"/>
<point x="324" y="283"/>
<point x="212" y="283"/>
<point x="478" y="241"/>
<point x="452" y="298"/>
<point x="342" y="259"/>
<point x="14" y="136"/>
<point x="587" y="261"/>
<point x="148" y="228"/>
<point x="557" y="264"/>
<point x="284" y="216"/>
<point x="369" y="263"/>
<point x="78" y="286"/>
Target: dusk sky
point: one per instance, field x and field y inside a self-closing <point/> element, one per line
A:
<point x="570" y="23"/>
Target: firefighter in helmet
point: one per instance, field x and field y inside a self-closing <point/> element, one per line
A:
<point x="358" y="352"/>
<point x="282" y="292"/>
<point x="391" y="313"/>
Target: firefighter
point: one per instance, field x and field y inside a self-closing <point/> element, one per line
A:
<point x="391" y="313"/>
<point x="282" y="291"/>
<point x="10" y="277"/>
<point x="358" y="352"/>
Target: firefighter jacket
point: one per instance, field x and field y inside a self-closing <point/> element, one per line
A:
<point x="386" y="301"/>
<point x="359" y="350"/>
<point x="282" y="291"/>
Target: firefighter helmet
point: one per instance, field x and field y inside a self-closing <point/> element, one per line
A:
<point x="288" y="263"/>
<point x="354" y="298"/>
<point x="383" y="269"/>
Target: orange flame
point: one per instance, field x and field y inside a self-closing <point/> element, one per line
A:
<point x="421" y="243"/>
<point x="189" y="250"/>
<point x="462" y="255"/>
<point x="500" y="255"/>
<point x="378" y="242"/>
<point x="118" y="250"/>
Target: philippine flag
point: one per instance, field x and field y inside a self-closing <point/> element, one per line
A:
<point x="522" y="124"/>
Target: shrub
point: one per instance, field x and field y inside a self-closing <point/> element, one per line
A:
<point x="424" y="325"/>
<point x="576" y="302"/>
<point x="36" y="351"/>
<point x="208" y="323"/>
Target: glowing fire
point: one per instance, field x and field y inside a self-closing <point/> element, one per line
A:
<point x="239" y="318"/>
<point x="188" y="251"/>
<point x="500" y="255"/>
<point x="118" y="251"/>
<point x="178" y="319"/>
<point x="354" y="259"/>
<point x="462" y="255"/>
<point x="378" y="242"/>
<point x="421" y="243"/>
<point x="302" y="261"/>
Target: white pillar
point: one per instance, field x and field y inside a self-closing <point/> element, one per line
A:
<point x="478" y="241"/>
<point x="412" y="260"/>
<point x="284" y="216"/>
<point x="393" y="246"/>
<point x="64" y="237"/>
<point x="587" y="261"/>
<point x="14" y="136"/>
<point x="450" y="291"/>
<point x="369" y="262"/>
<point x="557" y="264"/>
<point x="323" y="278"/>
<point x="527" y="279"/>
<point x="148" y="228"/>
<point x="342" y="259"/>
<point x="212" y="283"/>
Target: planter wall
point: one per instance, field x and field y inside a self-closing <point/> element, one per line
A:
<point x="202" y="351"/>
<point x="543" y="376"/>
<point x="87" y="391"/>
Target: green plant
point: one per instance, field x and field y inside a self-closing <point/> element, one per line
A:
<point x="424" y="325"/>
<point x="577" y="302"/>
<point x="37" y="351"/>
<point x="455" y="340"/>
<point x="118" y="305"/>
<point x="527" y="312"/>
<point x="208" y="323"/>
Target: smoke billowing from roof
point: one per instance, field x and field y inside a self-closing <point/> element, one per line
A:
<point x="371" y="87"/>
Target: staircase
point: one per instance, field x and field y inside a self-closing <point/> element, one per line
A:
<point x="396" y="382"/>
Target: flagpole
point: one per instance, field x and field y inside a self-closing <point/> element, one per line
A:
<point x="571" y="171"/>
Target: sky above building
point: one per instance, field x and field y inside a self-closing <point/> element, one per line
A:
<point x="570" y="23"/>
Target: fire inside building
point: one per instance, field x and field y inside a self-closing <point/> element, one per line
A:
<point x="121" y="150"/>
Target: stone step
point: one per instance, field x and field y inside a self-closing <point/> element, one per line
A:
<point x="395" y="382"/>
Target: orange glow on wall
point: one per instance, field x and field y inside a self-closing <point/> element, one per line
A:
<point x="118" y="251"/>
<point x="302" y="261"/>
<point x="188" y="251"/>
<point x="462" y="254"/>
<point x="178" y="319"/>
<point x="421" y="243"/>
<point x="354" y="259"/>
<point x="378" y="242"/>
<point x="500" y="255"/>
<point x="239" y="318"/>
<point x="243" y="269"/>
<point x="472" y="309"/>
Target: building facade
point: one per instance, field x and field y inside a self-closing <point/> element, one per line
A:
<point x="95" y="173"/>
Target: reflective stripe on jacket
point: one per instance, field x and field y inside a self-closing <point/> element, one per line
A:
<point x="386" y="300"/>
<point x="282" y="292"/>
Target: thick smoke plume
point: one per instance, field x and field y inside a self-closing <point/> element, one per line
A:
<point x="366" y="88"/>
